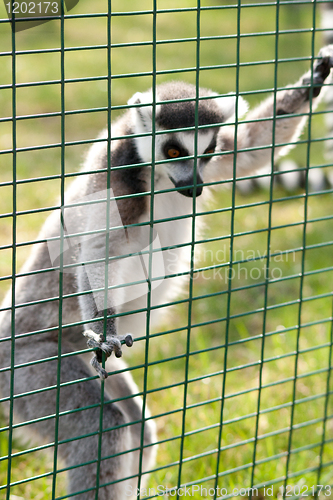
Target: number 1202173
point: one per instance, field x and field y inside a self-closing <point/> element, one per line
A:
<point x="305" y="491"/>
<point x="44" y="8"/>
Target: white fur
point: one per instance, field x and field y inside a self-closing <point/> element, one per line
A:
<point x="228" y="106"/>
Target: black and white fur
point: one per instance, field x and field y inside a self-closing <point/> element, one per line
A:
<point x="204" y="153"/>
<point x="288" y="174"/>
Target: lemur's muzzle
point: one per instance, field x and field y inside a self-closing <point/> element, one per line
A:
<point x="188" y="185"/>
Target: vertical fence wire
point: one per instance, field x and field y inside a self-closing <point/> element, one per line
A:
<point x="62" y="226"/>
<point x="192" y="250"/>
<point x="151" y="244"/>
<point x="106" y="309"/>
<point x="231" y="251"/>
<point x="288" y="473"/>
<point x="13" y="277"/>
<point x="326" y="406"/>
<point x="268" y="249"/>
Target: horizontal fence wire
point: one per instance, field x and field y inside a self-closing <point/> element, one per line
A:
<point x="234" y="368"/>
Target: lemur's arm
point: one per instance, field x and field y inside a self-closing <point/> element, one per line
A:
<point x="99" y="299"/>
<point x="265" y="126"/>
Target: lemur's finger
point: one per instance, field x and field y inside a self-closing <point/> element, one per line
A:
<point x="126" y="339"/>
<point x="114" y="344"/>
<point x="103" y="374"/>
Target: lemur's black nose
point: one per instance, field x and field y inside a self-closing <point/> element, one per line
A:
<point x="188" y="184"/>
<point x="190" y="192"/>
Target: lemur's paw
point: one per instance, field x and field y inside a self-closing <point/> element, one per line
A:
<point x="321" y="70"/>
<point x="96" y="341"/>
<point x="112" y="344"/>
<point x="326" y="52"/>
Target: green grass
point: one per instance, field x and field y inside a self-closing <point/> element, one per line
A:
<point x="168" y="353"/>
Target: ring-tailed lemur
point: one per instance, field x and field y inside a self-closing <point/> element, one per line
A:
<point x="113" y="232"/>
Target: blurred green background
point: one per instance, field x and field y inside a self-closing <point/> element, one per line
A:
<point x="86" y="94"/>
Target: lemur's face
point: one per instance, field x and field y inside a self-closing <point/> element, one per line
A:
<point x="184" y="125"/>
<point x="185" y="150"/>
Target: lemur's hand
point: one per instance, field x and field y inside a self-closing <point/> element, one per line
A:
<point x="113" y="343"/>
<point x="321" y="70"/>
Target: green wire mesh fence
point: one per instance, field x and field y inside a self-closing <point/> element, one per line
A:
<point x="237" y="372"/>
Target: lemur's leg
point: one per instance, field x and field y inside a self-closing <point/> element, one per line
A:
<point x="79" y="418"/>
<point x="36" y="364"/>
<point x="121" y="386"/>
<point x="271" y="123"/>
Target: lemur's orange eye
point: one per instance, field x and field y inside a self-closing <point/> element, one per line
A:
<point x="173" y="153"/>
<point x="209" y="151"/>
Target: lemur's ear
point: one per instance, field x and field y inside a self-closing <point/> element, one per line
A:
<point x="227" y="104"/>
<point x="142" y="110"/>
